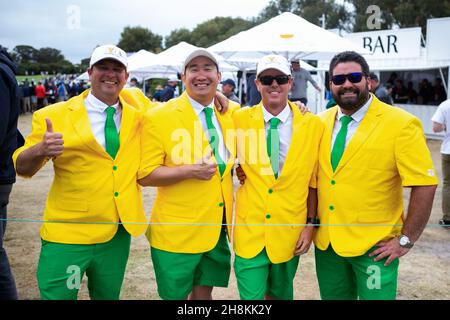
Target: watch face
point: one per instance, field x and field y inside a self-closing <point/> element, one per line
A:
<point x="403" y="240"/>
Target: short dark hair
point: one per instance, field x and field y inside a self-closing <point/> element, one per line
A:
<point x="373" y="76"/>
<point x="349" y="56"/>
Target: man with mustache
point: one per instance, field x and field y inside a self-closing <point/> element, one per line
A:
<point x="369" y="152"/>
<point x="93" y="141"/>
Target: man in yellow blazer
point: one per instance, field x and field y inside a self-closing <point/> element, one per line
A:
<point x="189" y="150"/>
<point x="93" y="141"/>
<point x="277" y="148"/>
<point x="369" y="152"/>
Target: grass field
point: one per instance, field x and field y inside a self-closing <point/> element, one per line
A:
<point x="35" y="77"/>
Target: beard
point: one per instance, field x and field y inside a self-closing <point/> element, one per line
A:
<point x="351" y="103"/>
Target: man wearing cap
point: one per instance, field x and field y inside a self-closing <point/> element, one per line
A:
<point x="300" y="78"/>
<point x="228" y="87"/>
<point x="368" y="153"/>
<point x="277" y="148"/>
<point x="93" y="141"/>
<point x="169" y="91"/>
<point x="189" y="151"/>
<point x="378" y="90"/>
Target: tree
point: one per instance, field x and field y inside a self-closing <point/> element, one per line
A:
<point x="49" y="55"/>
<point x="401" y="13"/>
<point x="24" y="53"/>
<point x="177" y="36"/>
<point x="133" y="39"/>
<point x="218" y="29"/>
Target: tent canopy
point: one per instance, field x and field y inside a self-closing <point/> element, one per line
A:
<point x="288" y="35"/>
<point x="171" y="60"/>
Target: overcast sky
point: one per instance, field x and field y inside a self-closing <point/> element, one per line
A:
<point x="76" y="27"/>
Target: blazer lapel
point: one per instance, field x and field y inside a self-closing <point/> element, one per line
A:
<point x="257" y="122"/>
<point x="80" y="120"/>
<point x="127" y="122"/>
<point x="191" y="123"/>
<point x="325" y="145"/>
<point x="228" y="133"/>
<point x="297" y="136"/>
<point x="368" y="124"/>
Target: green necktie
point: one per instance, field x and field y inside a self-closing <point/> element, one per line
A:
<point x="273" y="145"/>
<point x="339" y="143"/>
<point x="214" y="139"/>
<point x="111" y="135"/>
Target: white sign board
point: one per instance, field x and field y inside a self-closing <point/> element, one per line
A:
<point x="400" y="43"/>
<point x="438" y="39"/>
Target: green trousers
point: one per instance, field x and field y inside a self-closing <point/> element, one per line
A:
<point x="350" y="278"/>
<point x="62" y="266"/>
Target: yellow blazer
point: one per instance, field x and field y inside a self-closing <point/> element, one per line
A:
<point x="387" y="152"/>
<point x="269" y="210"/>
<point x="186" y="216"/>
<point x="88" y="185"/>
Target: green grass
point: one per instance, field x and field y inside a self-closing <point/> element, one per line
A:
<point x="36" y="77"/>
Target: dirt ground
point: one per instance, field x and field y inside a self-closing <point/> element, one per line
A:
<point x="424" y="272"/>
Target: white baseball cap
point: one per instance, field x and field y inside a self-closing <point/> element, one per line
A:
<point x="273" y="61"/>
<point x="108" y="51"/>
<point x="201" y="52"/>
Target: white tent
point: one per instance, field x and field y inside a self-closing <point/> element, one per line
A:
<point x="170" y="61"/>
<point x="288" y="35"/>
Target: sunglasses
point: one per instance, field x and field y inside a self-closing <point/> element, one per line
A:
<point x="354" y="77"/>
<point x="268" y="80"/>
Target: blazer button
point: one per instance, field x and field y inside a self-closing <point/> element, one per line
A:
<point x="333" y="182"/>
<point x="270" y="190"/>
<point x="221" y="204"/>
<point x="267" y="216"/>
<point x="331" y="208"/>
<point x="116" y="194"/>
<point x="114" y="168"/>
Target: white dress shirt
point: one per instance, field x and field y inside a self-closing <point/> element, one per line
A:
<point x="198" y="109"/>
<point x="353" y="125"/>
<point x="284" y="130"/>
<point x="97" y="117"/>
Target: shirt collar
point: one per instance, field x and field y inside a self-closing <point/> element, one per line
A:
<point x="283" y="115"/>
<point x="99" y="105"/>
<point x="358" y="115"/>
<point x="198" y="107"/>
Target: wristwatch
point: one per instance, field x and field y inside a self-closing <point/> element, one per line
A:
<point x="314" y="221"/>
<point x="405" y="242"/>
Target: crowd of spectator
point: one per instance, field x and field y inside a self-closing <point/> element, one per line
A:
<point x="427" y="93"/>
<point x="35" y="95"/>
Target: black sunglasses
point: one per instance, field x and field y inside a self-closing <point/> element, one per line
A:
<point x="267" y="80"/>
<point x="354" y="77"/>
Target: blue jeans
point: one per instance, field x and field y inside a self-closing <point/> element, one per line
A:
<point x="7" y="285"/>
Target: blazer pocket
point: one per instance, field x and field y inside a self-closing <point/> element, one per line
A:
<point x="373" y="216"/>
<point x="72" y="205"/>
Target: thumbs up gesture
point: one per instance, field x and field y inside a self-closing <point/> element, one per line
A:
<point x="52" y="144"/>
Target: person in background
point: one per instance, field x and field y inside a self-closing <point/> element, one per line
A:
<point x="169" y="91"/>
<point x="300" y="78"/>
<point x="253" y="97"/>
<point x="379" y="90"/>
<point x="10" y="139"/>
<point x="228" y="87"/>
<point x="40" y="95"/>
<point x="441" y="123"/>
